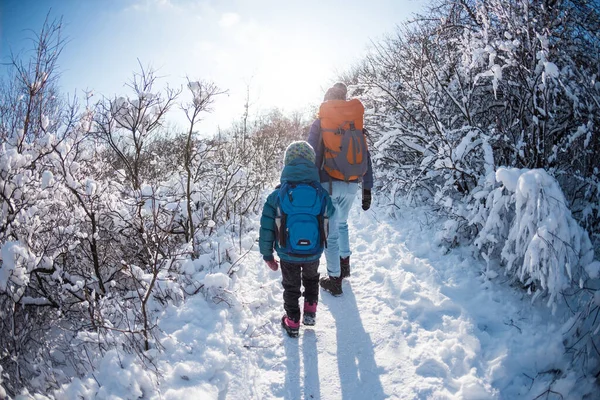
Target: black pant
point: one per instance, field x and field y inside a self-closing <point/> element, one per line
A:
<point x="295" y="275"/>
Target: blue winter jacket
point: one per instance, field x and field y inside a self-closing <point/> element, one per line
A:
<point x="299" y="170"/>
<point x="314" y="138"/>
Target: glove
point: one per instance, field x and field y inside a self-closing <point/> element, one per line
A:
<point x="273" y="264"/>
<point x="366" y="199"/>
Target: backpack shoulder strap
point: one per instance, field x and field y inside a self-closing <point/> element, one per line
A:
<point x="280" y="217"/>
<point x="321" y="147"/>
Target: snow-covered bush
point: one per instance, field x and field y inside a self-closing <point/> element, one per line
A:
<point x="526" y="226"/>
<point x="541" y="243"/>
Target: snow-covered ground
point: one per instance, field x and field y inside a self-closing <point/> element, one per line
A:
<point x="415" y="322"/>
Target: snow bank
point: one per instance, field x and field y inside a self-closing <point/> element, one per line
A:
<point x="194" y="356"/>
<point x="119" y="376"/>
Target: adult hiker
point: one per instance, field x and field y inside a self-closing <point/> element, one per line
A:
<point x="294" y="223"/>
<point x="343" y="160"/>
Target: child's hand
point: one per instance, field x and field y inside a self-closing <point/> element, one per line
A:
<point x="273" y="264"/>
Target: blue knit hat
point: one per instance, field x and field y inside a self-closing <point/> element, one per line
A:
<point x="299" y="149"/>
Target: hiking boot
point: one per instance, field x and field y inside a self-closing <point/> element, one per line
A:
<point x="345" y="267"/>
<point x="332" y="285"/>
<point x="310" y="313"/>
<point x="291" y="327"/>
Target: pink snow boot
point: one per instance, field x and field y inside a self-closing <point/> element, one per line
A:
<point x="310" y="312"/>
<point x="291" y="327"/>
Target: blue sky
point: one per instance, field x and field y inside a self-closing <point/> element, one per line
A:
<point x="288" y="52"/>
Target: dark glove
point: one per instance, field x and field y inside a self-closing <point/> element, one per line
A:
<point x="366" y="199"/>
<point x="273" y="264"/>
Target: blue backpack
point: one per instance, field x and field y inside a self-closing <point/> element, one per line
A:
<point x="301" y="220"/>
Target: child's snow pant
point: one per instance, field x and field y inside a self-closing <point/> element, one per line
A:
<point x="294" y="276"/>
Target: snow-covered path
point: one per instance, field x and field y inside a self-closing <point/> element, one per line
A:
<point x="393" y="334"/>
<point x="413" y="323"/>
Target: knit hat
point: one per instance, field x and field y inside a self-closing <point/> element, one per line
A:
<point x="299" y="149"/>
<point x="336" y="92"/>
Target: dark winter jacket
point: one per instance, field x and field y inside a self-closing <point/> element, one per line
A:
<point x="299" y="170"/>
<point x="314" y="138"/>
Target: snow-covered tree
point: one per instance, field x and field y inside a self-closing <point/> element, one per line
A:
<point x="519" y="77"/>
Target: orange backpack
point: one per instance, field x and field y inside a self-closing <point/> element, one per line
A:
<point x="344" y="143"/>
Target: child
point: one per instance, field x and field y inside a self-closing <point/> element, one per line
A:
<point x="294" y="223"/>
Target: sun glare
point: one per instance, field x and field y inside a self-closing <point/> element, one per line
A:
<point x="291" y="79"/>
